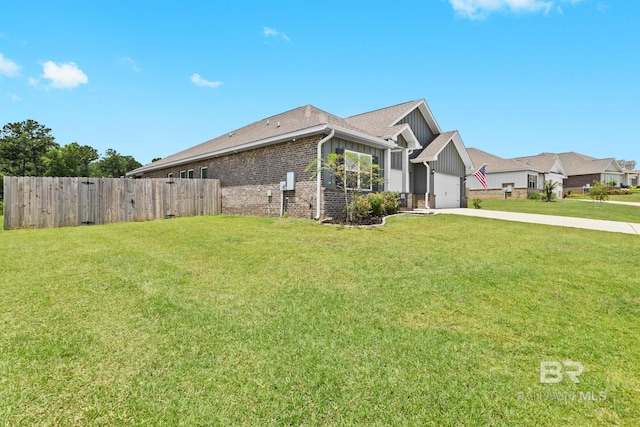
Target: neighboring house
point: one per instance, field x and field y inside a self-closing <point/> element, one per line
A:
<point x="505" y="177"/>
<point x="631" y="174"/>
<point x="550" y="167"/>
<point x="415" y="157"/>
<point x="583" y="171"/>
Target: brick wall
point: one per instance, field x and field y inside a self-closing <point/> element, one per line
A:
<point x="247" y="176"/>
<point x="517" y="193"/>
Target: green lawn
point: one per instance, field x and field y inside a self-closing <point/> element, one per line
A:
<point x="440" y="320"/>
<point x="567" y="207"/>
<point x="635" y="197"/>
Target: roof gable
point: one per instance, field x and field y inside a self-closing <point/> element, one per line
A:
<point x="434" y="148"/>
<point x="579" y="164"/>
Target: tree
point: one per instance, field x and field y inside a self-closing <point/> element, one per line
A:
<point x="548" y="188"/>
<point x="599" y="191"/>
<point x="23" y="146"/>
<point x="71" y="160"/>
<point x="351" y="172"/>
<point x="114" y="165"/>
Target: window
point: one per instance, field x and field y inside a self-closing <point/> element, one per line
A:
<point x="203" y="173"/>
<point x="170" y="175"/>
<point x="396" y="160"/>
<point x="183" y="174"/>
<point x="358" y="170"/>
<point x="533" y="181"/>
<point x="190" y="174"/>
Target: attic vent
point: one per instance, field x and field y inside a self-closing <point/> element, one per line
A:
<point x="231" y="134"/>
<point x="267" y="122"/>
<point x="278" y="124"/>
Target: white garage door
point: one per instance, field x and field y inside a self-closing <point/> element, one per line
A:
<point x="447" y="190"/>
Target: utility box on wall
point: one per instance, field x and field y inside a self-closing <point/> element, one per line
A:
<point x="291" y="181"/>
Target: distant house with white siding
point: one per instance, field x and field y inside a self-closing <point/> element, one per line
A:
<point x="516" y="178"/>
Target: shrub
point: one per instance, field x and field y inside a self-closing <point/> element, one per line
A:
<point x="535" y="196"/>
<point x="391" y="202"/>
<point x="376" y="201"/>
<point x="476" y="203"/>
<point x="1" y="207"/>
<point x="359" y="208"/>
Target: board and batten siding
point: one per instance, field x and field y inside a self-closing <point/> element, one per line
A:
<point x="419" y="126"/>
<point x="335" y="143"/>
<point x="449" y="162"/>
<point x="47" y="202"/>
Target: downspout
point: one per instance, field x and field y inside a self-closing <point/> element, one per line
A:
<point x="426" y="196"/>
<point x="319" y="171"/>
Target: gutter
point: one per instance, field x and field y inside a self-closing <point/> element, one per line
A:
<point x="426" y="196"/>
<point x="319" y="171"/>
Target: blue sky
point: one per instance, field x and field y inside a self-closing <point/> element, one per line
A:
<point x="150" y="78"/>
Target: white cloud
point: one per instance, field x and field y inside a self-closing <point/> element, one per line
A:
<point x="272" y="32"/>
<point x="63" y="76"/>
<point x="8" y="68"/>
<point x="126" y="60"/>
<point x="475" y="9"/>
<point x="199" y="81"/>
<point x="15" y="98"/>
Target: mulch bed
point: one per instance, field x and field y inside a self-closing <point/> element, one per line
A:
<point x="375" y="220"/>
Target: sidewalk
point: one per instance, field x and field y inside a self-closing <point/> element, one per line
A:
<point x="562" y="221"/>
<point x="614" y="202"/>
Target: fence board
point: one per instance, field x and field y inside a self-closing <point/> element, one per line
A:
<point x="45" y="202"/>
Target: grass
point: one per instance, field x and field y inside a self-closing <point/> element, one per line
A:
<point x="439" y="320"/>
<point x="633" y="197"/>
<point x="568" y="207"/>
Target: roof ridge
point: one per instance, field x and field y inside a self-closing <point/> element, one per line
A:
<point x="384" y="108"/>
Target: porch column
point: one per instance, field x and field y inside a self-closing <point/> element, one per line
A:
<point x="387" y="169"/>
<point x="405" y="170"/>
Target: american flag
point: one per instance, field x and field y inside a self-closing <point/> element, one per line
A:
<point x="482" y="176"/>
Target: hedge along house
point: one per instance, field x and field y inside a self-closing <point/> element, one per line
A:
<point x="254" y="161"/>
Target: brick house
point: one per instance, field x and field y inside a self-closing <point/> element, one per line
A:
<point x="515" y="178"/>
<point x="416" y="159"/>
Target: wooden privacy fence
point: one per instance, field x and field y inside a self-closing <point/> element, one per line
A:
<point x="43" y="202"/>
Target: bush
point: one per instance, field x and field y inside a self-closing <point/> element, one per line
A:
<point x="359" y="208"/>
<point x="535" y="196"/>
<point x="1" y="207"/>
<point x="620" y="191"/>
<point x="391" y="202"/>
<point x="376" y="201"/>
<point x="476" y="203"/>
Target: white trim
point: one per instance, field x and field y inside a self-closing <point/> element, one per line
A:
<point x="426" y="114"/>
<point x="358" y="171"/>
<point x="460" y="148"/>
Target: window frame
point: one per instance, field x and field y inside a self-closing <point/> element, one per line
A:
<point x="532" y="181"/>
<point x="190" y="174"/>
<point x="183" y="174"/>
<point x="357" y="163"/>
<point x="204" y="172"/>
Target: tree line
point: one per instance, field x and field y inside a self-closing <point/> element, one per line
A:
<point x="28" y="148"/>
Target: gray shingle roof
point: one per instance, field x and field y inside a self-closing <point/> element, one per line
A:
<point x="543" y="162"/>
<point x="495" y="163"/>
<point x="306" y="117"/>
<point x="579" y="164"/>
<point x="379" y="120"/>
<point x="434" y="147"/>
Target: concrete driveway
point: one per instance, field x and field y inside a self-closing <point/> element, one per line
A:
<point x="562" y="221"/>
